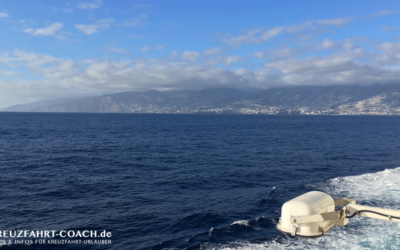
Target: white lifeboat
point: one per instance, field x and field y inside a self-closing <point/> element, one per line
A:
<point x="313" y="214"/>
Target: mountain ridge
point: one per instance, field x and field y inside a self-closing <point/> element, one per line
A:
<point x="343" y="99"/>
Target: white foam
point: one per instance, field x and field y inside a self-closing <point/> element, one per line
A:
<point x="380" y="189"/>
<point x="241" y="222"/>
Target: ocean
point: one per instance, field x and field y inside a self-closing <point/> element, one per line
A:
<point x="204" y="182"/>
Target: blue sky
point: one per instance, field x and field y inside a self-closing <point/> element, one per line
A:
<point x="52" y="49"/>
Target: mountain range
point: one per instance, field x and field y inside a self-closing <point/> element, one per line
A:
<point x="350" y="99"/>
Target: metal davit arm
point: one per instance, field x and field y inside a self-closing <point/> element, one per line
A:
<point x="373" y="212"/>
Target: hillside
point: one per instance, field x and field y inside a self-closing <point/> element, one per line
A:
<point x="352" y="99"/>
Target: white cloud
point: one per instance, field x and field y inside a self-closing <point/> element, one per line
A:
<point x="3" y="15"/>
<point x="212" y="51"/>
<point x="253" y="36"/>
<point x="28" y="59"/>
<point x="328" y="43"/>
<point x="334" y="63"/>
<point x="391" y="48"/>
<point x="390" y="29"/>
<point x="64" y="77"/>
<point x="348" y="44"/>
<point x="278" y="54"/>
<point x="160" y="48"/>
<point x="9" y="73"/>
<point x="90" y="29"/>
<point x="391" y="68"/>
<point x="111" y="48"/>
<point x="258" y="54"/>
<point x="295" y="28"/>
<point x="132" y="22"/>
<point x="89" y="5"/>
<point x="267" y="35"/>
<point x="135" y="21"/>
<point x="298" y="27"/>
<point x="190" y="56"/>
<point x="338" y="22"/>
<point x="381" y="13"/>
<point x="173" y="55"/>
<point x="231" y="59"/>
<point x="144" y="48"/>
<point x="249" y="37"/>
<point x="220" y="60"/>
<point x="51" y="30"/>
<point x="350" y="67"/>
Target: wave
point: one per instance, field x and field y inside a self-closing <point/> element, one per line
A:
<point x="381" y="189"/>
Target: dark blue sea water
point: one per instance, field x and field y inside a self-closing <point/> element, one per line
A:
<point x="179" y="181"/>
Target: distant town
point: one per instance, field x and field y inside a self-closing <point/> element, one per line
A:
<point x="376" y="105"/>
<point x="263" y="110"/>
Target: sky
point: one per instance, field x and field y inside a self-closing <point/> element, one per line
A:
<point x="75" y="48"/>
